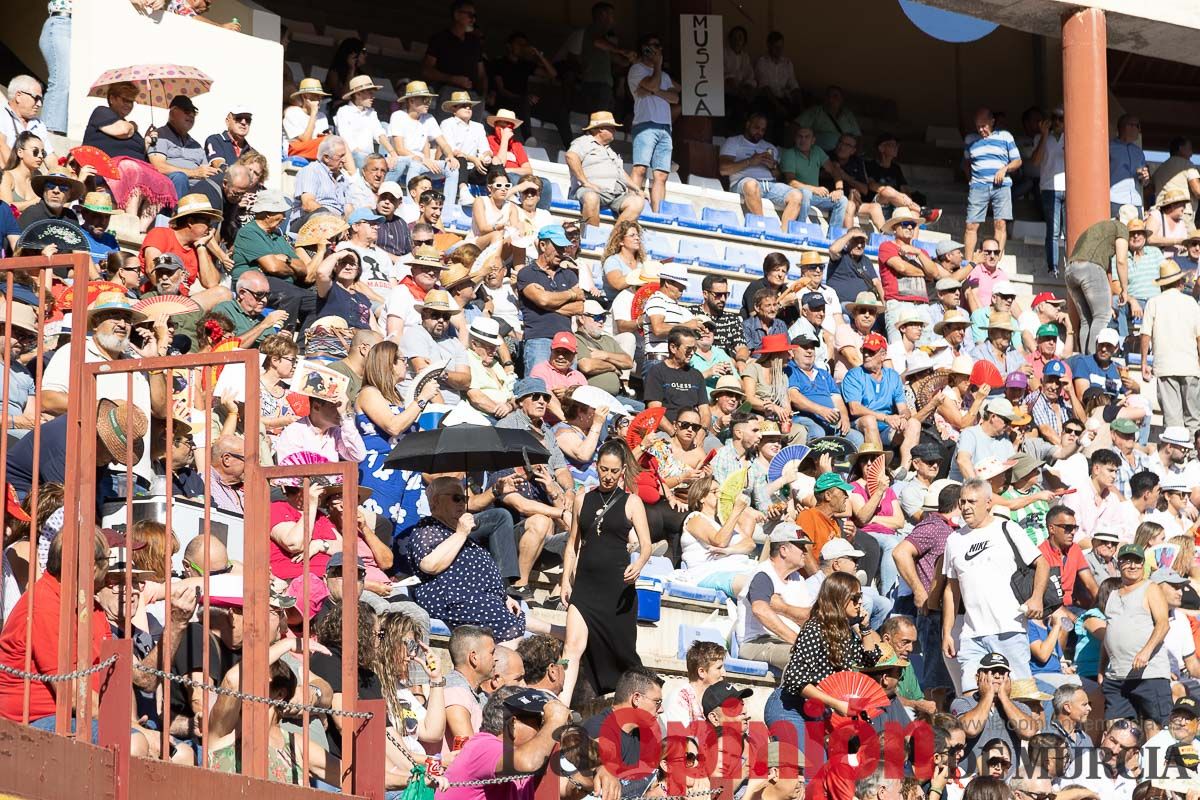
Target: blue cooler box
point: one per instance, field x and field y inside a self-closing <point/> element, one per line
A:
<point x="649" y="592"/>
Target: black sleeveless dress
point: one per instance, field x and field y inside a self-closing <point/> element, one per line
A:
<point x="608" y="604"/>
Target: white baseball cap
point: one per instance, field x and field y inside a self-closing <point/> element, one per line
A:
<point x="839" y="548"/>
<point x="593" y="309"/>
<point x="392" y="188"/>
<point x="1005" y="288"/>
<point x="1109" y="336"/>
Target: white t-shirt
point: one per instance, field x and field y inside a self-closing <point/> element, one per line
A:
<point x="378" y="269"/>
<point x="740" y="148"/>
<point x="1179" y="641"/>
<point x="416" y="342"/>
<point x="504" y="305"/>
<point x="982" y="561"/>
<point x="295" y="122"/>
<point x="360" y="127"/>
<point x="414" y="132"/>
<point x="108" y="387"/>
<point x="1053" y="174"/>
<point x="650" y="108"/>
<point x="1169" y="522"/>
<point x="399" y="303"/>
<point x="1030" y="322"/>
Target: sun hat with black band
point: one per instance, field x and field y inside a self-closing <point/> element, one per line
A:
<point x="118" y="421"/>
<point x="485" y="329"/>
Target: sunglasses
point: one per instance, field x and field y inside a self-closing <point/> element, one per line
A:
<point x="502" y="186"/>
<point x="539" y="396"/>
<point x="420" y="242"/>
<point x="1003" y="763"/>
<point x="907" y="225"/>
<point x="37" y="98"/>
<point x="457" y="498"/>
<point x="37" y="152"/>
<point x="856" y="598"/>
<point x="1074" y="431"/>
<point x="991" y="252"/>
<point x="689" y="426"/>
<point x="443" y="316"/>
<point x="55" y="186"/>
<point x="719" y="294"/>
<point x="1067" y="528"/>
<point x="259" y="296"/>
<point x="222" y="571"/>
<point x="242" y="119"/>
<point x="530" y="193"/>
<point x="185" y="440"/>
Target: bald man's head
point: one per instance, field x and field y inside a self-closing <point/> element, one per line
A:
<point x="194" y="562"/>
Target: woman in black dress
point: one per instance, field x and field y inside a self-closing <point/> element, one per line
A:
<point x="598" y="578"/>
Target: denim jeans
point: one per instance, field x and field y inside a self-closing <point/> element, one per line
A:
<point x="181" y="182"/>
<point x="933" y="673"/>
<point x="785" y="709"/>
<point x="834" y="209"/>
<point x="534" y="352"/>
<point x="1088" y="287"/>
<point x="888" y="575"/>
<point x="494" y="530"/>
<point x="1014" y="646"/>
<point x="408" y="168"/>
<point x="1054" y="210"/>
<point x="818" y="428"/>
<point x="55" y="44"/>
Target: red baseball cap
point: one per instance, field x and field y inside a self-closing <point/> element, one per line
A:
<point x="564" y="340"/>
<point x="874" y="342"/>
<point x="1046" y="297"/>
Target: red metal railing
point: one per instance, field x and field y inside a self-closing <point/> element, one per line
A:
<point x="363" y="742"/>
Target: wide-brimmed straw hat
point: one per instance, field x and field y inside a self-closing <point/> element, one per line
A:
<point x="505" y="115"/>
<point x="1002" y="320"/>
<point x="1171" y="197"/>
<point x="728" y="384"/>
<point x="459" y="99"/>
<point x="425" y="256"/>
<point x="902" y="214"/>
<point x="195" y="203"/>
<point x="360" y="83"/>
<point x="311" y="86"/>
<point x="118" y="421"/>
<point x="601" y="119"/>
<point x="865" y="300"/>
<point x="955" y="316"/>
<point x="416" y="89"/>
<point x="320" y="228"/>
<point x="1169" y="272"/>
<point x="436" y="300"/>
<point x="39" y="182"/>
<point x="99" y="202"/>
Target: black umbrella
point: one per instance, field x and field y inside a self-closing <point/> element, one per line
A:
<point x="467" y="448"/>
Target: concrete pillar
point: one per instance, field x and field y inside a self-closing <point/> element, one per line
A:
<point x="1085" y="101"/>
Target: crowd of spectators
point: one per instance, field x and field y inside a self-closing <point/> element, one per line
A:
<point x="857" y="460"/>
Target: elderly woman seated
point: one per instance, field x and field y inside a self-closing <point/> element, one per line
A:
<point x="460" y="583"/>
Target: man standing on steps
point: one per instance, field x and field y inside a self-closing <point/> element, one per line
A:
<point x="1049" y="155"/>
<point x="655" y="96"/>
<point x="1171" y="326"/>
<point x="989" y="157"/>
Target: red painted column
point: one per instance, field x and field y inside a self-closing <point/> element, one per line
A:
<point x="1085" y="101"/>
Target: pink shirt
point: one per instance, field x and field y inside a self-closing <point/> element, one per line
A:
<point x="555" y="379"/>
<point x="984" y="282"/>
<point x="337" y="444"/>
<point x="477" y="760"/>
<point x="1109" y="513"/>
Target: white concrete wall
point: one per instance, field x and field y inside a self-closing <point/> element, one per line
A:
<point x="246" y="70"/>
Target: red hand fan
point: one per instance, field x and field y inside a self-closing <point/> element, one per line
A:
<point x="65" y="298"/>
<point x="871" y="473"/>
<point x="298" y="402"/>
<point x="639" y="300"/>
<point x="862" y="694"/>
<point x="644" y="424"/>
<point x="708" y="458"/>
<point x="97" y="159"/>
<point x="984" y="373"/>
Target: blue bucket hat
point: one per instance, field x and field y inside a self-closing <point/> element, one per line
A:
<point x="555" y="234"/>
<point x="528" y="386"/>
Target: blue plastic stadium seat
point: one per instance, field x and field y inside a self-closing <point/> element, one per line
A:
<point x="669" y="213"/>
<point x="724" y="220"/>
<point x="693" y="250"/>
<point x="877" y="239"/>
<point x="438" y="628"/>
<point x="658" y="245"/>
<point x="930" y="248"/>
<point x="760" y="225"/>
<point x="560" y="201"/>
<point x="594" y="237"/>
<point x="744" y="259"/>
<point x="689" y="634"/>
<point x="298" y="161"/>
<point x="744" y="666"/>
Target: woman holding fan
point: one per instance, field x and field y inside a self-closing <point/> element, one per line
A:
<point x="598" y="578"/>
<point x="875" y="508"/>
<point x="836" y="638"/>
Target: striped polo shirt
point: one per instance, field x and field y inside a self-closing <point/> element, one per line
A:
<point x="987" y="156"/>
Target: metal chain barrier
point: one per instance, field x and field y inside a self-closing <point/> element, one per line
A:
<point x="63" y="678"/>
<point x="283" y="705"/>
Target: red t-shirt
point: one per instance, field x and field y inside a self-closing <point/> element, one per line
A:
<point x="282" y="565"/>
<point x="43" y="644"/>
<point x="1069" y="566"/>
<point x="165" y="241"/>
<point x="516" y="151"/>
<point x="890" y="280"/>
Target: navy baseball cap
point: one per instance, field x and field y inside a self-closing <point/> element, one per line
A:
<point x="813" y="300"/>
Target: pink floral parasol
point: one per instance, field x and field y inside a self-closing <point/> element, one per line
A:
<point x="157" y="83"/>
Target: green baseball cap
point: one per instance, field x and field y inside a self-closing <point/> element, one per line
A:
<point x="1048" y="329"/>
<point x="1135" y="550"/>
<point x="1125" y="426"/>
<point x="831" y="480"/>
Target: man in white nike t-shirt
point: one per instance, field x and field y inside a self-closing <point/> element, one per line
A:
<point x="978" y="562"/>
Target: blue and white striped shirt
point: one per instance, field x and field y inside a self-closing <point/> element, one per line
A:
<point x="987" y="156"/>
